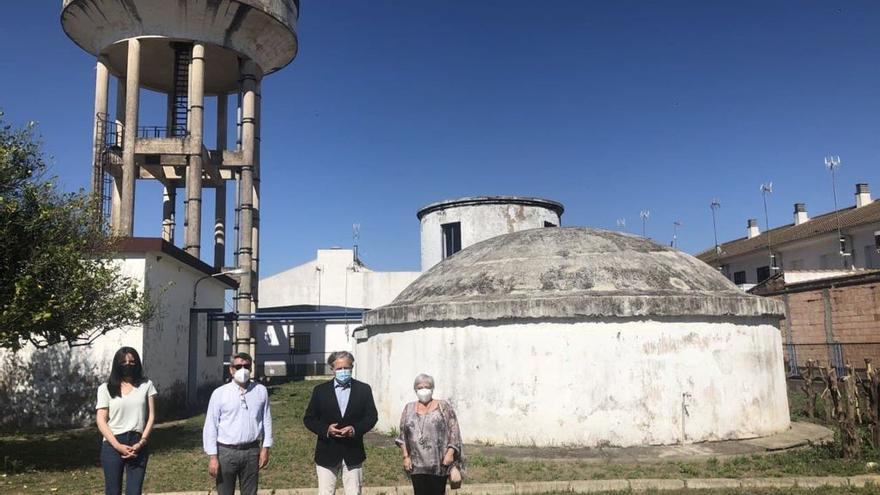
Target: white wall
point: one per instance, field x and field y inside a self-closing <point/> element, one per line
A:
<point x="478" y="223"/>
<point x="339" y="282"/>
<point x="166" y="339"/>
<point x="587" y="383"/>
<point x="57" y="386"/>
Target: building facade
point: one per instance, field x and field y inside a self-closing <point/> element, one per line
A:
<point x="842" y="239"/>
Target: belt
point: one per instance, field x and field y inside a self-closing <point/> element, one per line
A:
<point x="241" y="446"/>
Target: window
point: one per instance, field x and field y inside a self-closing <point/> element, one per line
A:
<point x="763" y="273"/>
<point x="212" y="336"/>
<point x="739" y="278"/>
<point x="549" y="224"/>
<point x="301" y="343"/>
<point x="451" y="238"/>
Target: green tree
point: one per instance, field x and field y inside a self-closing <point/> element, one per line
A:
<point x="57" y="282"/>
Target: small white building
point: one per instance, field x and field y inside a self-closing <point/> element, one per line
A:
<point x="181" y="346"/>
<point x="581" y="337"/>
<point x="310" y="310"/>
<point x="808" y="243"/>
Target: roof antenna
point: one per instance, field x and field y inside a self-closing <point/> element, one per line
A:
<point x="833" y="163"/>
<point x="715" y="205"/>
<point x="766" y="189"/>
<point x="675" y="225"/>
<point x="355" y="236"/>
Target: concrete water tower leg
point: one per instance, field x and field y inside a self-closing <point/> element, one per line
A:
<point x="193" y="234"/>
<point x="244" y="303"/>
<point x="169" y="205"/>
<point x="102" y="87"/>
<point x="129" y="169"/>
<point x="220" y="191"/>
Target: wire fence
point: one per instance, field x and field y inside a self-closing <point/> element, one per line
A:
<point x="836" y="354"/>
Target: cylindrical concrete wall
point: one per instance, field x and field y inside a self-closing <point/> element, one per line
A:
<point x="619" y="382"/>
<point x="481" y="218"/>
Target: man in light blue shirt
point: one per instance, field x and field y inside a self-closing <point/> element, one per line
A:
<point x="237" y="423"/>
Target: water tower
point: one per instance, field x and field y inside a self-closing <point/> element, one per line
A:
<point x="188" y="50"/>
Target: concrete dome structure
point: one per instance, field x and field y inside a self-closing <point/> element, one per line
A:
<point x="577" y="336"/>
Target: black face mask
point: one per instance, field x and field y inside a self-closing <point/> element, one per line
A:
<point x="127" y="370"/>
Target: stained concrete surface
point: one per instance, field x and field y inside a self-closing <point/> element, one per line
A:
<point x="799" y="435"/>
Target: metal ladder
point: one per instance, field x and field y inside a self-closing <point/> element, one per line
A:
<point x="180" y="92"/>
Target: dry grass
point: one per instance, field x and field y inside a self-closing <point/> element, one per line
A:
<point x="67" y="462"/>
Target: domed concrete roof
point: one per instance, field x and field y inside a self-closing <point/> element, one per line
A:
<point x="568" y="273"/>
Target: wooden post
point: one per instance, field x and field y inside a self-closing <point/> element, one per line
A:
<point x="871" y="387"/>
<point x="809" y="375"/>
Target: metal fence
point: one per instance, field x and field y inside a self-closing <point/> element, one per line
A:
<point x="160" y="132"/>
<point x="836" y="354"/>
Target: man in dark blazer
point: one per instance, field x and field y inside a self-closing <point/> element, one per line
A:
<point x="340" y="412"/>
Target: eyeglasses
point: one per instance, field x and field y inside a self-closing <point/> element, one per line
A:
<point x="240" y="366"/>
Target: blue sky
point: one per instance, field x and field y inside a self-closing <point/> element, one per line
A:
<point x="609" y="107"/>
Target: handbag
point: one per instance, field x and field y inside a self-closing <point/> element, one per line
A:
<point x="455" y="475"/>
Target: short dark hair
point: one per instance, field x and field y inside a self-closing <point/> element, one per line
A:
<point x="242" y="355"/>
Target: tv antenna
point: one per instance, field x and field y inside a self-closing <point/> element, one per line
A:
<point x="644" y="215"/>
<point x="675" y="225"/>
<point x="767" y="188"/>
<point x="833" y="163"/>
<point x="715" y="205"/>
<point x="355" y="237"/>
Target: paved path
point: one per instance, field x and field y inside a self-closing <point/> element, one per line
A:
<point x="597" y="486"/>
<point x="799" y="435"/>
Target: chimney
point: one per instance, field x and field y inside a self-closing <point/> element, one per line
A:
<point x="754" y="231"/>
<point x="800" y="213"/>
<point x="863" y="195"/>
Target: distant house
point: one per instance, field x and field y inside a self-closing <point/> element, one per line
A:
<point x="806" y="244"/>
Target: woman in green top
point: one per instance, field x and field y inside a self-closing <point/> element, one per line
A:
<point x="126" y="411"/>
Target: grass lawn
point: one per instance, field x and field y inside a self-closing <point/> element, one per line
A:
<point x="67" y="462"/>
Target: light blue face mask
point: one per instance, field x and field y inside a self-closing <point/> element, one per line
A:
<point x="343" y="376"/>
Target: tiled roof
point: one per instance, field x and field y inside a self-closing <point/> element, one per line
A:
<point x="823" y="224"/>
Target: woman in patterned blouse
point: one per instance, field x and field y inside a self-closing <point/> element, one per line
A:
<point x="429" y="439"/>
